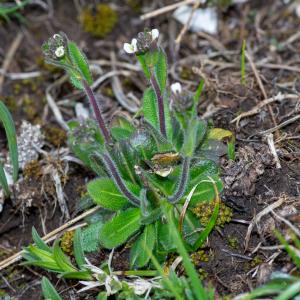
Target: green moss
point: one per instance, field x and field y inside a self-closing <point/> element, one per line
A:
<point x="55" y="135"/>
<point x="3" y="293"/>
<point x="198" y="257"/>
<point x="10" y="102"/>
<point x="135" y="5"/>
<point x="202" y="273"/>
<point x="99" y="21"/>
<point x="186" y="73"/>
<point x="29" y="108"/>
<point x="32" y="170"/>
<point x="108" y="91"/>
<point x="205" y="210"/>
<point x="66" y="242"/>
<point x="233" y="242"/>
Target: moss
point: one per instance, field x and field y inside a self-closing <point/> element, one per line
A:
<point x="10" y="102"/>
<point x="29" y="108"/>
<point x="205" y="210"/>
<point x="186" y="73"/>
<point x="55" y="135"/>
<point x="233" y="242"/>
<point x="3" y="293"/>
<point x="198" y="257"/>
<point x="108" y="91"/>
<point x="66" y="242"/>
<point x="99" y="21"/>
<point x="135" y="5"/>
<point x="32" y="170"/>
<point x="202" y="273"/>
<point x="257" y="260"/>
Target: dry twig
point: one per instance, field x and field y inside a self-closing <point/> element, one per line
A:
<point x="9" y="56"/>
<point x="49" y="237"/>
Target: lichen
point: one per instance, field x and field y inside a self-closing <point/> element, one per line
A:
<point x="66" y="242"/>
<point x="99" y="21"/>
<point x="205" y="210"/>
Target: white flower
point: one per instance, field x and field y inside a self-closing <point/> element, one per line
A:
<point x="56" y="36"/>
<point x="60" y="52"/>
<point x="176" y="88"/>
<point x="154" y="34"/>
<point x="131" y="48"/>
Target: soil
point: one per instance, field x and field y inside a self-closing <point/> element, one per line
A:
<point x="252" y="182"/>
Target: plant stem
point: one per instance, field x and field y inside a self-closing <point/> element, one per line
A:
<point x="160" y="102"/>
<point x="182" y="181"/>
<point x="97" y="112"/>
<point x="118" y="180"/>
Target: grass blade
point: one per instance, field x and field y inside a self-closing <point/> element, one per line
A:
<point x="8" y="123"/>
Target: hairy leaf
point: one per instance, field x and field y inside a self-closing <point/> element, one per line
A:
<point x="49" y="291"/>
<point x="116" y="231"/>
<point x="138" y="255"/>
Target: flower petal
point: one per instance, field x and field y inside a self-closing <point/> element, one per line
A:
<point x="176" y="88"/>
<point x="134" y="44"/>
<point x="154" y="34"/>
<point x="128" y="48"/>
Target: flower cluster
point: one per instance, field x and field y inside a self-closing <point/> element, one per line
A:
<point x="55" y="47"/>
<point x="142" y="43"/>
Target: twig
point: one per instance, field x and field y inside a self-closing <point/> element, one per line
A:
<point x="187" y="24"/>
<point x="57" y="113"/>
<point x="283" y="124"/>
<point x="287" y="222"/>
<point x="255" y="110"/>
<point x="271" y="144"/>
<point x="165" y="9"/>
<point x="257" y="218"/>
<point x="118" y="90"/>
<point x="9" y="56"/>
<point x="48" y="237"/>
<point x="261" y="86"/>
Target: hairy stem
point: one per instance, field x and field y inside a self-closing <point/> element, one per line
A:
<point x="97" y="112"/>
<point x="112" y="168"/>
<point x="160" y="102"/>
<point x="184" y="176"/>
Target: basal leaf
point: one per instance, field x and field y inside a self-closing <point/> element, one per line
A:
<point x="49" y="292"/>
<point x="218" y="134"/>
<point x="116" y="231"/>
<point x="61" y="259"/>
<point x="121" y="128"/>
<point x="106" y="194"/>
<point x="138" y="255"/>
<point x="3" y="180"/>
<point x="78" y="248"/>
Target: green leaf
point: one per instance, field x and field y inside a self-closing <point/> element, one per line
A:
<point x="90" y="237"/>
<point x="3" y="180"/>
<point x="218" y="134"/>
<point x="79" y="60"/>
<point x="8" y="123"/>
<point x="121" y="128"/>
<point x="141" y="58"/>
<point x="78" y="248"/>
<point x="105" y="193"/>
<point x="39" y="242"/>
<point x="164" y="237"/>
<point x="290" y="292"/>
<point x="204" y="190"/>
<point x="191" y="137"/>
<point x="143" y="144"/>
<point x="150" y="108"/>
<point x="197" y="94"/>
<point x="161" y="70"/>
<point x="138" y="255"/>
<point x="61" y="259"/>
<point x="79" y="275"/>
<point x="116" y="231"/>
<point x="197" y="287"/>
<point x="49" y="291"/>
